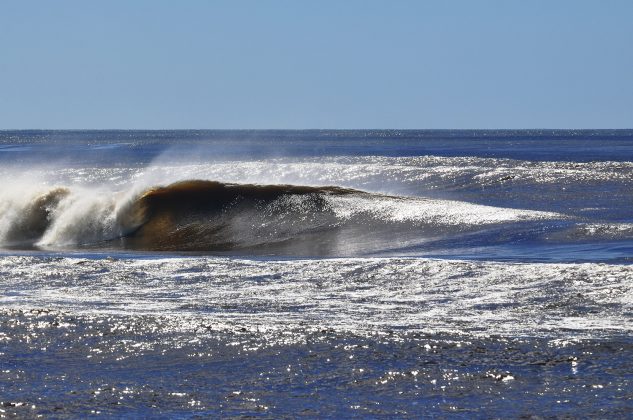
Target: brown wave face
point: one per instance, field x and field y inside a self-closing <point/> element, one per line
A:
<point x="213" y="216"/>
<point x="35" y="217"/>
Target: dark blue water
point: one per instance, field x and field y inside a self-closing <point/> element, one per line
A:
<point x="142" y="146"/>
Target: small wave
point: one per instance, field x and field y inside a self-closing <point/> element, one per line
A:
<point x="604" y="231"/>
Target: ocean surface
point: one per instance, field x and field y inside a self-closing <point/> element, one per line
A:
<point x="431" y="273"/>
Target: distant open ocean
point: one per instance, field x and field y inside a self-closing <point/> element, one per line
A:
<point x="324" y="273"/>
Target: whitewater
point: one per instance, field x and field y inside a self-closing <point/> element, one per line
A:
<point x="324" y="273"/>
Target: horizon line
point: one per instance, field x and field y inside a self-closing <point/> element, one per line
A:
<point x="318" y="129"/>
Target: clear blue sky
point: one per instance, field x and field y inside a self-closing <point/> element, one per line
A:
<point x="316" y="64"/>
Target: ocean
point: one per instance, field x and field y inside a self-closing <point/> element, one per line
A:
<point x="319" y="273"/>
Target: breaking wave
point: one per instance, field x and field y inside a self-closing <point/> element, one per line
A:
<point x="201" y="215"/>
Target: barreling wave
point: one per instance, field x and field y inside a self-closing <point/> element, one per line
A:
<point x="29" y="221"/>
<point x="200" y="215"/>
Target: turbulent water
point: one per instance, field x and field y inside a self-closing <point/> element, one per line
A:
<point x="324" y="273"/>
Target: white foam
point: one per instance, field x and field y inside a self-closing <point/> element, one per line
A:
<point x="358" y="295"/>
<point x="430" y="211"/>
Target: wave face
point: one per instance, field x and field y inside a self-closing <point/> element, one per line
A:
<point x="200" y="215"/>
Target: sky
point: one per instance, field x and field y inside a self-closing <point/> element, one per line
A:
<point x="151" y="64"/>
